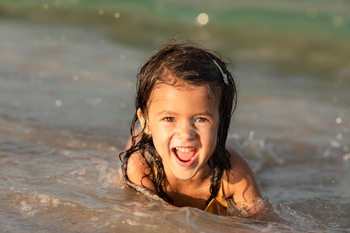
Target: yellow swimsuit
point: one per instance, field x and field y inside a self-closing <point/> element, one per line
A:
<point x="217" y="205"/>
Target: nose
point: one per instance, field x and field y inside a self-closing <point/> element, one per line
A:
<point x="185" y="131"/>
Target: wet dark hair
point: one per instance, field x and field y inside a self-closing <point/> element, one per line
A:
<point x="179" y="63"/>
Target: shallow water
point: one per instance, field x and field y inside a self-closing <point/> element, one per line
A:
<point x="66" y="100"/>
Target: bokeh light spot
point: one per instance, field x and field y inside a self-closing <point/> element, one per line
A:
<point x="337" y="20"/>
<point x="311" y="13"/>
<point x="338" y="120"/>
<point x="202" y="19"/>
<point x="58" y="103"/>
<point x="335" y="99"/>
<point x="339" y="136"/>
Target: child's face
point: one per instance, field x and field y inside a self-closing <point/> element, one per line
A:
<point x="183" y="122"/>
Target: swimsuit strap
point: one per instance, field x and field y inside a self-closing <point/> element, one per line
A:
<point x="220" y="197"/>
<point x="217" y="205"/>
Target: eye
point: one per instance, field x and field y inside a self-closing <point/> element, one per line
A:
<point x="169" y="119"/>
<point x="200" y="120"/>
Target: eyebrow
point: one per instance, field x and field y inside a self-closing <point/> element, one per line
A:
<point x="166" y="112"/>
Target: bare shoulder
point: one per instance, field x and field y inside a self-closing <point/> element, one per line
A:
<point x="242" y="187"/>
<point x="138" y="171"/>
<point x="240" y="181"/>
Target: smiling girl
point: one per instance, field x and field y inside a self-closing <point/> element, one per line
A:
<point x="184" y="103"/>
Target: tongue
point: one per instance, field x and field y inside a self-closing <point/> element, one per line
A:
<point x="185" y="156"/>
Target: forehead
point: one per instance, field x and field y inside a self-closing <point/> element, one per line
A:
<point x="183" y="97"/>
<point x="181" y="87"/>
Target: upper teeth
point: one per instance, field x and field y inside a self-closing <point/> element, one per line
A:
<point x="185" y="149"/>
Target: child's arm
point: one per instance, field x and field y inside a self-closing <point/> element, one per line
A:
<point x="243" y="188"/>
<point x="137" y="169"/>
<point x="138" y="172"/>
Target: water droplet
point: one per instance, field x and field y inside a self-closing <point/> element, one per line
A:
<point x="117" y="15"/>
<point x="75" y="77"/>
<point x="55" y="202"/>
<point x="101" y="12"/>
<point x="46" y="6"/>
<point x="32" y="212"/>
<point x="44" y="198"/>
<point x="26" y="208"/>
<point x="82" y="172"/>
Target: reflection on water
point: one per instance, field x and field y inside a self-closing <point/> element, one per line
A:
<point x="66" y="101"/>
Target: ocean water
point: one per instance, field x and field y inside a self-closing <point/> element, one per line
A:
<point x="67" y="83"/>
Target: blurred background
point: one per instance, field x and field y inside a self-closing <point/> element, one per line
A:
<point x="309" y="37"/>
<point x="303" y="47"/>
<point x="67" y="83"/>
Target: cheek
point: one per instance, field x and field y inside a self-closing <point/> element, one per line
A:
<point x="161" y="139"/>
<point x="212" y="136"/>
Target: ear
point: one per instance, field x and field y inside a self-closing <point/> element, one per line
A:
<point x="144" y="122"/>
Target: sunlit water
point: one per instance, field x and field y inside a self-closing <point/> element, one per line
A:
<point x="66" y="101"/>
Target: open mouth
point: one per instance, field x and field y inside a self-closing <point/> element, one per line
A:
<point x="185" y="156"/>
